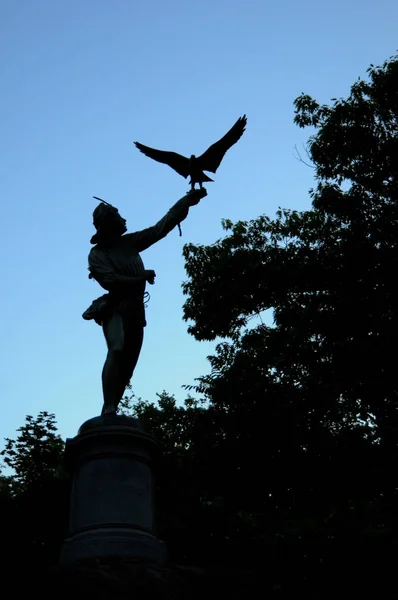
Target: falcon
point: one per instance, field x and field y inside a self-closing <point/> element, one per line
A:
<point x="195" y="165"/>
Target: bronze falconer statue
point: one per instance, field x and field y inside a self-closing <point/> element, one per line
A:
<point x="115" y="263"/>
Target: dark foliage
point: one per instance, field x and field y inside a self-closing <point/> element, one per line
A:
<point x="35" y="497"/>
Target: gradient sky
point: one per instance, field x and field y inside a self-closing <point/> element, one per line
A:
<point x="82" y="79"/>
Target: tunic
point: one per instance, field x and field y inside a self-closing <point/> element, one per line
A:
<point x="123" y="258"/>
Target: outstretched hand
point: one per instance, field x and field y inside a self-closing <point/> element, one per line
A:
<point x="195" y="196"/>
<point x="150" y="276"/>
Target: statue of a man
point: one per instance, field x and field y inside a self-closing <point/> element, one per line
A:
<point x="115" y="263"/>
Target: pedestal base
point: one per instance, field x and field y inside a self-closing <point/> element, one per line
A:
<point x="112" y="500"/>
<point x="107" y="542"/>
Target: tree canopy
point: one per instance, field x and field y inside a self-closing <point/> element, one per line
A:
<point x="35" y="495"/>
<point x="312" y="393"/>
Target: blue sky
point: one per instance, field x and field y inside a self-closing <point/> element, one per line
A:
<point x="82" y="79"/>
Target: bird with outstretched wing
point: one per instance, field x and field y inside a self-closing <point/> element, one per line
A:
<point x="195" y="165"/>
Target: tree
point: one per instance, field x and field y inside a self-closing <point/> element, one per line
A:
<point x="36" y="453"/>
<point x="316" y="391"/>
<point x="37" y="491"/>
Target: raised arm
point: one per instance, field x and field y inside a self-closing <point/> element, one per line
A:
<point x="141" y="240"/>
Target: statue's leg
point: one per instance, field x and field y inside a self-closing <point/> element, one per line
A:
<point x="112" y="373"/>
<point x="134" y="336"/>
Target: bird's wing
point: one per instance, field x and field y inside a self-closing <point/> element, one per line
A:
<point x="176" y="161"/>
<point x="211" y="159"/>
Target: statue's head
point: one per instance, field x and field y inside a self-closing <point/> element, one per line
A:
<point x="108" y="223"/>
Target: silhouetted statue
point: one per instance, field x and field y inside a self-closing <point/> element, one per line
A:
<point x="116" y="265"/>
<point x="208" y="161"/>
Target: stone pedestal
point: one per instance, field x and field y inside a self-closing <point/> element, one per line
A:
<point x="112" y="499"/>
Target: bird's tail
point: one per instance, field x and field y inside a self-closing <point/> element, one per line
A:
<point x="206" y="178"/>
<point x="202" y="178"/>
